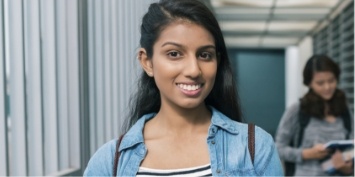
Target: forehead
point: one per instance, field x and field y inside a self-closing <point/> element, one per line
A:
<point x="323" y="75"/>
<point x="185" y="32"/>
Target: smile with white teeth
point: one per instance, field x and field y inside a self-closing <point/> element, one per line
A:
<point x="189" y="87"/>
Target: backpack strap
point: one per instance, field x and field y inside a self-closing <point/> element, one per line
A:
<point x="117" y="156"/>
<point x="251" y="141"/>
<point x="347" y="121"/>
<point x="303" y="120"/>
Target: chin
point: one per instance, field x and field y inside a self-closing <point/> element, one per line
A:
<point x="327" y="98"/>
<point x="191" y="105"/>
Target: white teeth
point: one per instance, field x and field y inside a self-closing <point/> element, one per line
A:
<point x="189" y="87"/>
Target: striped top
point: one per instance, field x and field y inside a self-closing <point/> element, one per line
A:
<point x="204" y="170"/>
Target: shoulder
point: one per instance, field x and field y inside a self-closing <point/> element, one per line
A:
<point x="243" y="129"/>
<point x="291" y="113"/>
<point x="266" y="157"/>
<point x="265" y="152"/>
<point x="295" y="107"/>
<point x="289" y="123"/>
<point x="233" y="127"/>
<point x="237" y="131"/>
<point x="262" y="137"/>
<point x="263" y="140"/>
<point x="100" y="163"/>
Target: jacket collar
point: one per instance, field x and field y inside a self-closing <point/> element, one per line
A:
<point x="135" y="134"/>
<point x="223" y="122"/>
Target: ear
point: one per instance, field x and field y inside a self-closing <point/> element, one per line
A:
<point x="145" y="62"/>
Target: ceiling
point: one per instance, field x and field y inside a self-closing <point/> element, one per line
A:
<point x="273" y="23"/>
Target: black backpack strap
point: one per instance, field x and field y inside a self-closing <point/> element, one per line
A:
<point x="117" y="156"/>
<point x="303" y="122"/>
<point x="347" y="121"/>
<point x="251" y="141"/>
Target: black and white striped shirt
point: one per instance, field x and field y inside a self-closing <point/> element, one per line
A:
<point x="204" y="170"/>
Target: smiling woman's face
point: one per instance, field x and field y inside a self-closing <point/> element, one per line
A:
<point x="324" y="84"/>
<point x="184" y="64"/>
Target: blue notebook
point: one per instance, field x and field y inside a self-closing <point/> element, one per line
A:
<point x="339" y="144"/>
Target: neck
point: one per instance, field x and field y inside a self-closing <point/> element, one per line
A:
<point x="183" y="121"/>
<point x="326" y="109"/>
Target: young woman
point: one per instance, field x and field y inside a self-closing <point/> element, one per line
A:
<point x="326" y="109"/>
<point x="185" y="117"/>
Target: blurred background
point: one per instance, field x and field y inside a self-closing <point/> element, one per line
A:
<point x="67" y="68"/>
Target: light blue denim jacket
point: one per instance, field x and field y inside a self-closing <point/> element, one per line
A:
<point x="228" y="147"/>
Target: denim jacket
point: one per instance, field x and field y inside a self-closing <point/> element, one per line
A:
<point x="227" y="142"/>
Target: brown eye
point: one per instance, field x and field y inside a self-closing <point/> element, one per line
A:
<point x="320" y="83"/>
<point x="332" y="80"/>
<point x="174" y="54"/>
<point x="205" y="55"/>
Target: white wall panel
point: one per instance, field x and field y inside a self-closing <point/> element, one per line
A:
<point x="17" y="88"/>
<point x="292" y="75"/>
<point x="62" y="76"/>
<point x="99" y="74"/>
<point x="3" y="122"/>
<point x="121" y="61"/>
<point x="107" y="69"/>
<point x="130" y="38"/>
<point x="33" y="87"/>
<point x="114" y="68"/>
<point x="49" y="86"/>
<point x="92" y="71"/>
<point x="73" y="83"/>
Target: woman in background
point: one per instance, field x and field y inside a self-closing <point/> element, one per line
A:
<point x="185" y="117"/>
<point x="320" y="116"/>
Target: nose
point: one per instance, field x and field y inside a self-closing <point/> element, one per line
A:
<point x="192" y="68"/>
<point x="327" y="86"/>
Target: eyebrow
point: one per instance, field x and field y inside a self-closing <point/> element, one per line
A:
<point x="172" y="43"/>
<point x="181" y="46"/>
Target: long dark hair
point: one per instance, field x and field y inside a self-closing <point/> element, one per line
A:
<point x="311" y="103"/>
<point x="223" y="96"/>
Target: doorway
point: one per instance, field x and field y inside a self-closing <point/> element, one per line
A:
<point x="260" y="78"/>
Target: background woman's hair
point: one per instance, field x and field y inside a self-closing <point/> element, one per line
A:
<point x="311" y="103"/>
<point x="223" y="96"/>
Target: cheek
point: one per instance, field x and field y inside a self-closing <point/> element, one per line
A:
<point x="211" y="74"/>
<point x="315" y="88"/>
<point x="334" y="84"/>
<point x="162" y="69"/>
<point x="165" y="73"/>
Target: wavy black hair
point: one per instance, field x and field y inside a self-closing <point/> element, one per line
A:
<point x="223" y="95"/>
<point x="311" y="103"/>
